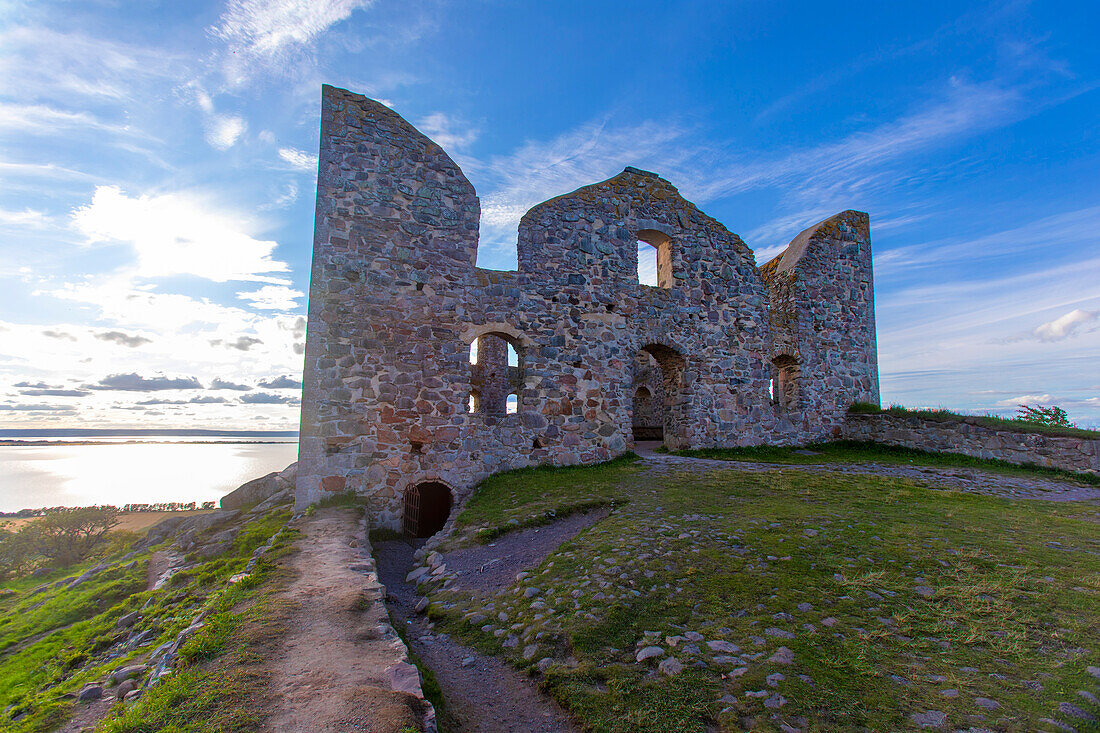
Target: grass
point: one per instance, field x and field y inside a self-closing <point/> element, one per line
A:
<point x="850" y="451"/>
<point x="222" y="681"/>
<point x="539" y="495"/>
<point x="55" y="641"/>
<point x="989" y="421"/>
<point x="910" y="590"/>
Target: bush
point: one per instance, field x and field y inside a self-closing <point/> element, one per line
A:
<point x="66" y="537"/>
<point x="15" y="554"/>
<point x="1052" y="416"/>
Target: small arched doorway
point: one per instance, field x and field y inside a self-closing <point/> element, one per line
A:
<point x="659" y="409"/>
<point x="427" y="507"/>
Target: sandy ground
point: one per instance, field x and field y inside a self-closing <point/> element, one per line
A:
<point x="332" y="672"/>
<point x="129" y="521"/>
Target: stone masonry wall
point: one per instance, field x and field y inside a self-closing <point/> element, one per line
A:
<point x="979" y="441"/>
<point x="396" y="301"/>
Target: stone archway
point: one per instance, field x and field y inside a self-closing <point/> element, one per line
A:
<point x="658" y="393"/>
<point x="427" y="507"/>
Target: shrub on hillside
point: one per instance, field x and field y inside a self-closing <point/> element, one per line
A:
<point x="67" y="537"/>
<point x="15" y="555"/>
<point x="1052" y="416"/>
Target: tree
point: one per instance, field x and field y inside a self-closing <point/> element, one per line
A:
<point x="1052" y="416"/>
<point x="14" y="553"/>
<point x="68" y="536"/>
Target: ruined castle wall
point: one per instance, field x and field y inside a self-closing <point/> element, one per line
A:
<point x="396" y="301"/>
<point x="1069" y="454"/>
<point x="824" y="354"/>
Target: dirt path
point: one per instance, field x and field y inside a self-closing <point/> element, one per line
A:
<point x="336" y="669"/>
<point x="485" y="569"/>
<point x="483" y="694"/>
<point x="958" y="479"/>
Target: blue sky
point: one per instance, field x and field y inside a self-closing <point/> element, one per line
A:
<point x="157" y="174"/>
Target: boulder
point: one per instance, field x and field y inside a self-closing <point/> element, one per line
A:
<point x="204" y="522"/>
<point x="260" y="489"/>
<point x="89" y="693"/>
<point x="129" y="672"/>
<point x="128" y="620"/>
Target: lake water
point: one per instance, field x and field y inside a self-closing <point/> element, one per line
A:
<point x="118" y="472"/>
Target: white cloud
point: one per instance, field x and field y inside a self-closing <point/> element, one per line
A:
<point x="1026" y="399"/>
<point x="223" y="131"/>
<point x="299" y="159"/>
<point x="27" y="218"/>
<point x="447" y="132"/>
<point x="1064" y="326"/>
<point x="177" y="234"/>
<point x="273" y="297"/>
<point x="269" y="32"/>
<point x="44" y="120"/>
<point x="134" y="382"/>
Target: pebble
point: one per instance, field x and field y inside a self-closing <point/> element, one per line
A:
<point x="805" y="607"/>
<point x="949" y="693"/>
<point x="985" y="702"/>
<point x="649" y="652"/>
<point x="468" y="662"/>
<point x="774" y="679"/>
<point x="782" y="655"/>
<point x="780" y="633"/>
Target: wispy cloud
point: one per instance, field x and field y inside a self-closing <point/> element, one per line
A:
<point x="223" y="131"/>
<point x="1064" y="326"/>
<point x="269" y="33"/>
<point x="131" y="340"/>
<point x="285" y="381"/>
<point x="299" y="159"/>
<point x="267" y="398"/>
<point x="273" y="297"/>
<point x="134" y="382"/>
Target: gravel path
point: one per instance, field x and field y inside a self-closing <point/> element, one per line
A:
<point x="959" y="479"/>
<point x="483" y="694"/>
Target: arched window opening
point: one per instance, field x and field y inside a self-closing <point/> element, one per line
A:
<point x="427" y="507"/>
<point x="654" y="259"/>
<point x="785" y="383"/>
<point x="496" y="374"/>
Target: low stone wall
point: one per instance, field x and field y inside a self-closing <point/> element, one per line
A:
<point x="1069" y="454"/>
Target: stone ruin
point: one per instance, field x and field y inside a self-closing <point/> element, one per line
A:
<point x="424" y="373"/>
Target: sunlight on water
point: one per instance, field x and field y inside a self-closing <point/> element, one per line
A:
<point x="78" y="475"/>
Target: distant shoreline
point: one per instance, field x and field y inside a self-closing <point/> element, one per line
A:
<point x="12" y="433"/>
<point x="6" y="443"/>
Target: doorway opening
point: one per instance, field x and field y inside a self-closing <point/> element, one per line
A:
<point x="657" y="392"/>
<point x="427" y="507"/>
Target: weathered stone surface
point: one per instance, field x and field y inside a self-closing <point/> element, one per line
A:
<point x="261" y="489"/>
<point x="392" y="402"/>
<point x="971" y="439"/>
